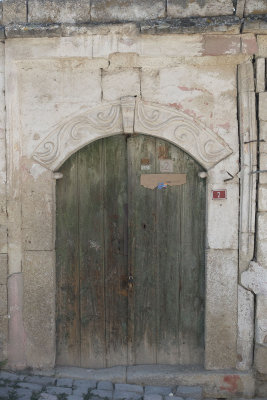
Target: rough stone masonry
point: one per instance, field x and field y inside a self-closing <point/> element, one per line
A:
<point x="197" y="61"/>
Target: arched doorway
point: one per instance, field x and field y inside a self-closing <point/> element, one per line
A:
<point x="130" y="259"/>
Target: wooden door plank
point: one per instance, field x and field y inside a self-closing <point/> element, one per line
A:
<point x="169" y="253"/>
<point x="91" y="250"/>
<point x="192" y="294"/>
<point x="142" y="254"/>
<point x="116" y="258"/>
<point x="67" y="267"/>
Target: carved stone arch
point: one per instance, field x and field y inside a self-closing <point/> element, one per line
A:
<point x="131" y="115"/>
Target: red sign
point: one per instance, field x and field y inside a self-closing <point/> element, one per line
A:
<point x="219" y="194"/>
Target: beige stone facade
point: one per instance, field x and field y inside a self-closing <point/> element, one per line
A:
<point x="67" y="84"/>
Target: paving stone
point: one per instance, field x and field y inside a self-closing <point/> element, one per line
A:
<point x="31" y="386"/>
<point x="102" y="393"/>
<point x="174" y="398"/>
<point x="81" y="384"/>
<point x="189" y="391"/>
<point x="24" y="394"/>
<point x="125" y="387"/>
<point x="10" y="376"/>
<point x="74" y="397"/>
<point x="4" y="391"/>
<point x="80" y="391"/>
<point x="41" y="380"/>
<point x="105" y="385"/>
<point x="120" y="395"/>
<point x="155" y="397"/>
<point x="46" y="396"/>
<point x="163" y="390"/>
<point x="58" y="390"/>
<point x="65" y="382"/>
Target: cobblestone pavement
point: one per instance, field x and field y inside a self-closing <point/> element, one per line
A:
<point x="33" y="387"/>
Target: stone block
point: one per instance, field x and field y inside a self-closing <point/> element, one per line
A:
<point x="3" y="300"/>
<point x="104" y="45"/>
<point x="246" y="77"/>
<point x="255" y="7"/>
<point x="263" y="136"/>
<point x="16" y="348"/>
<point x="37" y="195"/>
<point x="41" y="380"/>
<point x="154" y="397"/>
<point x="261" y="318"/>
<point x="246" y="250"/>
<point x="249" y="44"/>
<point x="125" y="10"/>
<point x="112" y="87"/>
<point x="189" y="8"/>
<point x="198" y="91"/>
<point x="245" y="329"/>
<point x="126" y="387"/>
<point x="3" y="269"/>
<point x="162" y="390"/>
<point x="221" y="309"/>
<point x="105" y="385"/>
<point x="46" y="396"/>
<point x="66" y="382"/>
<point x="58" y="390"/>
<point x="61" y="87"/>
<point x="262" y="252"/>
<point x="262" y="45"/>
<point x="2" y="166"/>
<point x="120" y="395"/>
<point x="260" y="358"/>
<point x="223" y="218"/>
<point x="31" y="386"/>
<point x="260" y="75"/>
<point x="262" y="226"/>
<point x="215" y="45"/>
<point x="106" y="394"/>
<point x="23" y="394"/>
<point x="114" y="374"/>
<point x="255" y="278"/>
<point x="263" y="167"/>
<point x="262" y="197"/>
<point x="171" y="45"/>
<point x="261" y="389"/>
<point x="3" y="337"/>
<point x="263" y="106"/>
<point x="58" y="11"/>
<point x="193" y="392"/>
<point x="240" y="6"/>
<point x="14" y="11"/>
<point x="39" y="308"/>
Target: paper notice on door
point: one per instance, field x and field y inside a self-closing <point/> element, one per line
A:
<point x="151" y="181"/>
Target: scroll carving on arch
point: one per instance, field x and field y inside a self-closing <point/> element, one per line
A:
<point x="74" y="133"/>
<point x="194" y="137"/>
<point x="131" y="115"/>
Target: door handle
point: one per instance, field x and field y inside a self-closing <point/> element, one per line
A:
<point x="130" y="281"/>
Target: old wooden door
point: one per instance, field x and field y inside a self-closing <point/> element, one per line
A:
<point x="130" y="260"/>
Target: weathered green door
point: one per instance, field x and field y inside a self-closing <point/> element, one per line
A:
<point x="130" y="259"/>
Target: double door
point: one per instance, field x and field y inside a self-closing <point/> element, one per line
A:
<point x="129" y="258"/>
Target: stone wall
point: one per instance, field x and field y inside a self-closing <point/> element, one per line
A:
<point x="65" y="60"/>
<point x="3" y="214"/>
<point x="81" y="11"/>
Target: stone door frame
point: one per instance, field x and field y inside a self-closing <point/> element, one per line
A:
<point x="31" y="187"/>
